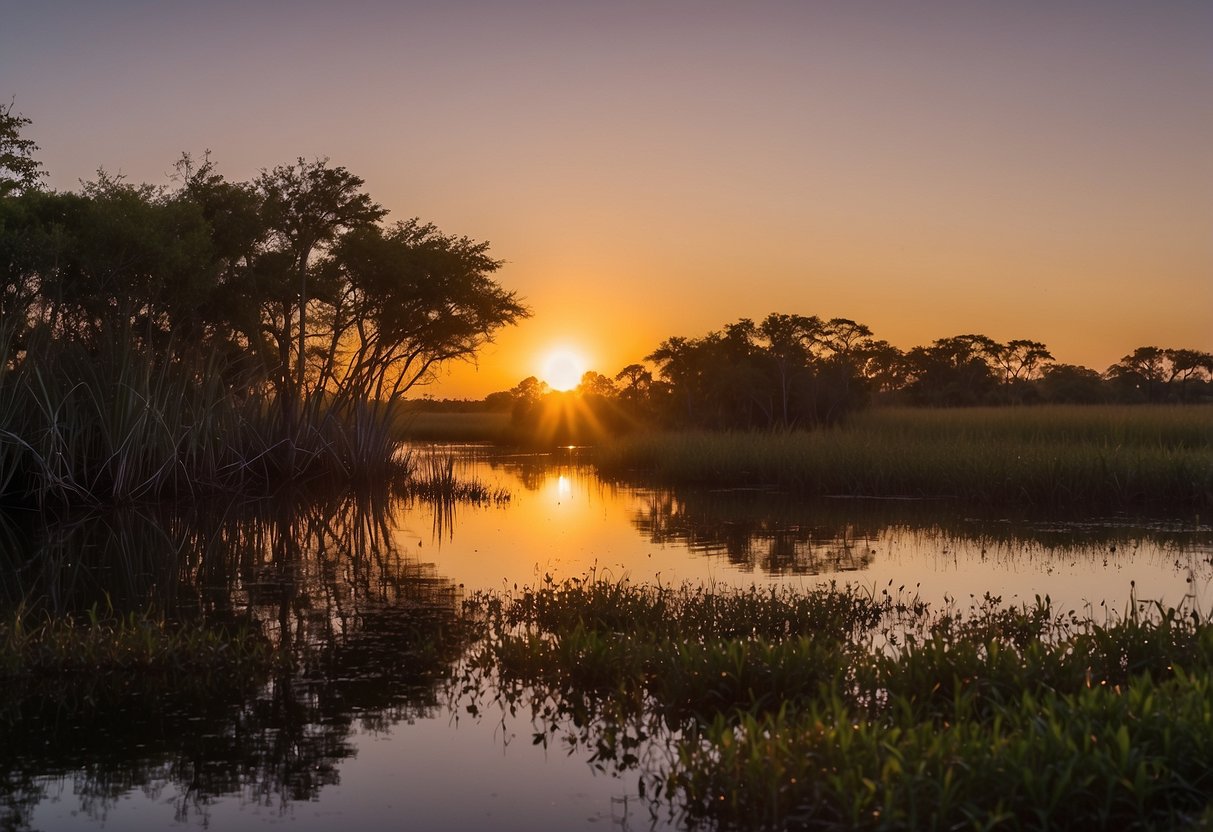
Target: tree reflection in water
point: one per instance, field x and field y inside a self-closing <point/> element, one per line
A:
<point x="362" y="638"/>
<point x="751" y="540"/>
<point x="777" y="533"/>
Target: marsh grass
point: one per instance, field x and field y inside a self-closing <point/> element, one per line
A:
<point x="858" y="709"/>
<point x="120" y="426"/>
<point x="1055" y="456"/>
<point x="423" y="426"/>
<point x="435" y="476"/>
<point x="101" y="643"/>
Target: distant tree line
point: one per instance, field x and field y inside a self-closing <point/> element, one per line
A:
<point x="201" y="332"/>
<point x="789" y="371"/>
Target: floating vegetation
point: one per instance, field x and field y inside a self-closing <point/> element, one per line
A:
<point x="849" y="708"/>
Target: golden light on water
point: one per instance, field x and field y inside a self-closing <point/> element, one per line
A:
<point x="562" y="369"/>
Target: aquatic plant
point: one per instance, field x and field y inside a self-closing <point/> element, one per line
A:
<point x="434" y="477"/>
<point x="101" y="642"/>
<point x="851" y="708"/>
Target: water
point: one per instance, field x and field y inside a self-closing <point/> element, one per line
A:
<point x="365" y="596"/>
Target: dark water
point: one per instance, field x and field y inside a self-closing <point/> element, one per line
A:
<point x="364" y="595"/>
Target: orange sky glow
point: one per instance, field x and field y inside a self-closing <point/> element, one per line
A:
<point x="1021" y="170"/>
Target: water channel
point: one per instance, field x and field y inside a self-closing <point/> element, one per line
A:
<point x="366" y="594"/>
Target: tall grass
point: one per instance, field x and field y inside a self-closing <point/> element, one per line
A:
<point x="435" y="477"/>
<point x="119" y="425"/>
<point x="422" y="426"/>
<point x="1056" y="456"/>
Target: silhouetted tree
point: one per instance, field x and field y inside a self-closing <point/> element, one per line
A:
<point x="19" y="170"/>
<point x="1140" y="374"/>
<point x="882" y="366"/>
<point x="636" y="380"/>
<point x="306" y="207"/>
<point x="787" y="370"/>
<point x="840" y="335"/>
<point x="1072" y="384"/>
<point x="404" y="300"/>
<point x="1188" y="368"/>
<point x="596" y="384"/>
<point x="953" y="371"/>
<point x="287" y="289"/>
<point x="1021" y="360"/>
<point x="789" y="340"/>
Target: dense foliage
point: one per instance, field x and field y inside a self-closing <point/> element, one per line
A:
<point x="199" y="336"/>
<point x="790" y="371"/>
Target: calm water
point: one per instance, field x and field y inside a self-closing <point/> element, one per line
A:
<point x="366" y="596"/>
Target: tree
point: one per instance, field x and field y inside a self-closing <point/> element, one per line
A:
<point x="596" y="384"/>
<point x="113" y="259"/>
<point x="840" y="335"/>
<point x="636" y="380"/>
<point x="19" y="170"/>
<point x="882" y="365"/>
<point x="953" y="371"/>
<point x="286" y="294"/>
<point x="1021" y="360"/>
<point x="1188" y="367"/>
<point x="1072" y="384"/>
<point x="786" y="370"/>
<point x="1141" y="373"/>
<point x="529" y="391"/>
<point x="788" y="349"/>
<point x="401" y="301"/>
<point x="306" y="207"/>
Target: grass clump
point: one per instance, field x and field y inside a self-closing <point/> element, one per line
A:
<point x="846" y="708"/>
<point x="1054" y="456"/>
<point x="102" y="643"/>
<point x="433" y="476"/>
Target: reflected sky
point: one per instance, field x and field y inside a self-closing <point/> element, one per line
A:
<point x="427" y="773"/>
<point x="563" y="521"/>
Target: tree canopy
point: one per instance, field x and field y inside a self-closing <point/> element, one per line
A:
<point x="19" y="170"/>
<point x="796" y="371"/>
<point x="289" y="290"/>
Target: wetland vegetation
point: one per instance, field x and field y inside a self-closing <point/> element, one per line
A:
<point x="217" y="501"/>
<point x="303" y="633"/>
<point x="1097" y="458"/>
<point x="838" y="708"/>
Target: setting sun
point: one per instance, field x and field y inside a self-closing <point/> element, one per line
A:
<point x="562" y="369"/>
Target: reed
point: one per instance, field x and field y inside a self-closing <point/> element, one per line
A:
<point x="120" y="426"/>
<point x="1053" y="456"/>
<point x="435" y="476"/>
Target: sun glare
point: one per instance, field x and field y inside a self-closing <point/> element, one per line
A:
<point x="562" y="369"/>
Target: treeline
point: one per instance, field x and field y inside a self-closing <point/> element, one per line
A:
<point x="790" y="371"/>
<point x="213" y="333"/>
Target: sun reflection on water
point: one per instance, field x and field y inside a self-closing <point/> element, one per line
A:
<point x="564" y="521"/>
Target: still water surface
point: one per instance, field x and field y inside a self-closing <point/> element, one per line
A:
<point x="365" y="595"/>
